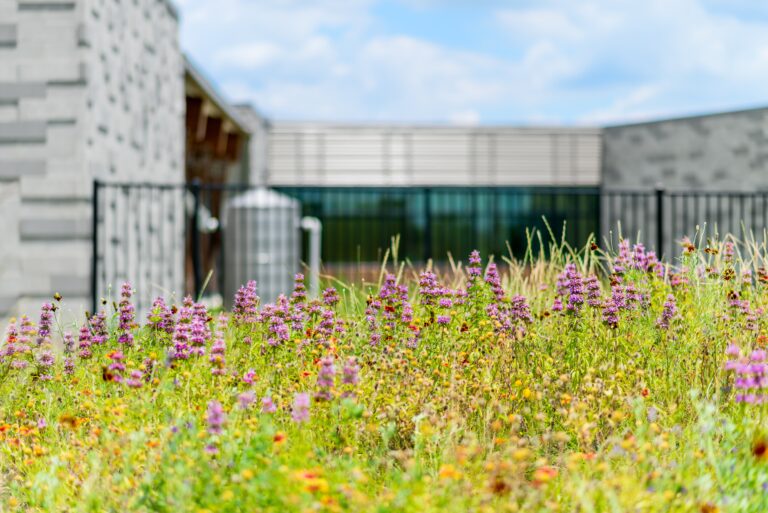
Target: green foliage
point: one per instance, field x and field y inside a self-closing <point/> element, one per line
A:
<point x="561" y="411"/>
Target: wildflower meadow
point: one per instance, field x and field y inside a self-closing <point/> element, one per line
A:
<point x="576" y="380"/>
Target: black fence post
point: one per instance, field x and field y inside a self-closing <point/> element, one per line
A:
<point x="660" y="220"/>
<point x="194" y="188"/>
<point x="95" y="246"/>
<point x="427" y="225"/>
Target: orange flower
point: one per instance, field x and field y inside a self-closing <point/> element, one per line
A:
<point x="543" y="475"/>
<point x="449" y="471"/>
<point x="68" y="420"/>
<point x="313" y="482"/>
<point x="279" y="438"/>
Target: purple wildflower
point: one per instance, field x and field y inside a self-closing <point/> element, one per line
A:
<point x="267" y="405"/>
<point x="570" y="283"/>
<point x="429" y="290"/>
<point x="519" y="309"/>
<point x="117" y="367"/>
<point x="126" y="318"/>
<point x="99" y="328"/>
<point x="46" y="359"/>
<point x="728" y="251"/>
<point x="246" y="399"/>
<point x="46" y="321"/>
<point x="69" y="343"/>
<point x="215" y="418"/>
<point x="611" y="313"/>
<point x="246" y="304"/>
<point x="668" y="313"/>
<point x="492" y="278"/>
<point x="135" y="379"/>
<point x="751" y="376"/>
<point x="249" y="376"/>
<point x="593" y="291"/>
<point x="299" y="294"/>
<point x="474" y="270"/>
<point x="330" y="296"/>
<point x="300" y="410"/>
<point x="197" y="336"/>
<point x="325" y="379"/>
<point x="350" y="376"/>
<point x="181" y="334"/>
<point x="160" y="317"/>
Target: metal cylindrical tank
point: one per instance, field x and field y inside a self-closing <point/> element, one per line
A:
<point x="261" y="242"/>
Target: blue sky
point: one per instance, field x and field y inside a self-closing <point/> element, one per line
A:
<point x="545" y="62"/>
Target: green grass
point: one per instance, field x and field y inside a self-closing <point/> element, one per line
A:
<point x="560" y="413"/>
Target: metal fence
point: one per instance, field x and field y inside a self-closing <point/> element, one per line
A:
<point x="433" y="222"/>
<point x="662" y="218"/>
<point x="166" y="238"/>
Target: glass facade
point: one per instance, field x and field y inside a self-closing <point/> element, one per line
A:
<point x="359" y="222"/>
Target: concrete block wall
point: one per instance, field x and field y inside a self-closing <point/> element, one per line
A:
<point x="720" y="153"/>
<point x="134" y="131"/>
<point x="88" y="89"/>
<point x="717" y="152"/>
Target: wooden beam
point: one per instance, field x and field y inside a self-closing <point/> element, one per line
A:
<point x="233" y="146"/>
<point x="194" y="109"/>
<point x="212" y="132"/>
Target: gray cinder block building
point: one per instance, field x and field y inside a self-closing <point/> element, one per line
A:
<point x="723" y="157"/>
<point x="88" y="89"/>
<point x="714" y="152"/>
<point x="93" y="89"/>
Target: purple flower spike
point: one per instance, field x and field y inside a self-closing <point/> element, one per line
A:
<point x="215" y="418"/>
<point x="300" y="410"/>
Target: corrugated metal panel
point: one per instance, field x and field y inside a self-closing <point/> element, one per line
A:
<point x="326" y="155"/>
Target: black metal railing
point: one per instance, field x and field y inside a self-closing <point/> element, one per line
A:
<point x="432" y="222"/>
<point x="169" y="237"/>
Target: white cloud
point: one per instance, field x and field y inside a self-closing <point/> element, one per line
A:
<point x="669" y="56"/>
<point x="537" y="22"/>
<point x="465" y="118"/>
<point x="249" y="56"/>
<point x="586" y="61"/>
<point x="626" y="107"/>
